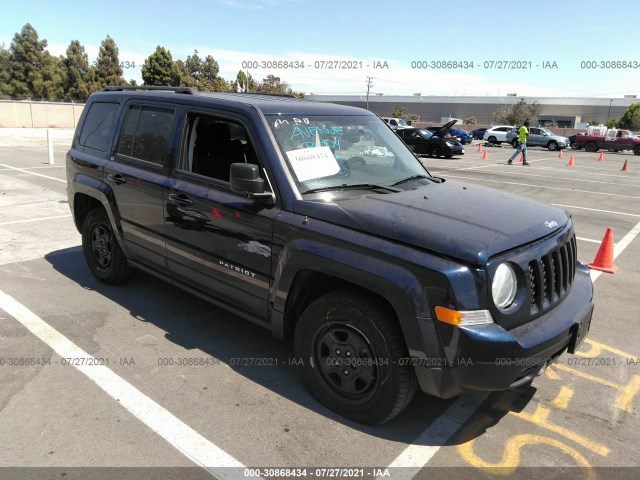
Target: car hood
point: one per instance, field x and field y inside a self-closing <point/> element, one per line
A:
<point x="442" y="131"/>
<point x="453" y="219"/>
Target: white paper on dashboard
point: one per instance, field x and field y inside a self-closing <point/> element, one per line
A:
<point x="315" y="162"/>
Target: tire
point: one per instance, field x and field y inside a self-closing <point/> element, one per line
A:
<point x="101" y="250"/>
<point x="552" y="146"/>
<point x="435" y="151"/>
<point x="492" y="139"/>
<point x="514" y="143"/>
<point x="636" y="150"/>
<point x="591" y="147"/>
<point x="352" y="349"/>
<point x="448" y="156"/>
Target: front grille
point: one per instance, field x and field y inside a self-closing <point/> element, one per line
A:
<point x="551" y="276"/>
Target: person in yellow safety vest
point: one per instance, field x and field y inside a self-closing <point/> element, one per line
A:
<point x="523" y="132"/>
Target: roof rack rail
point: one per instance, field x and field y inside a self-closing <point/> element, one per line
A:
<point x="187" y="90"/>
<point x="285" y="95"/>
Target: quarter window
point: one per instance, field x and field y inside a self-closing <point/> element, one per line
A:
<point x="97" y="130"/>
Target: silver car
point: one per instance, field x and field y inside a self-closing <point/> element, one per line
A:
<point x="539" y="137"/>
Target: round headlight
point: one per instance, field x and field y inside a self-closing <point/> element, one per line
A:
<point x="504" y="286"/>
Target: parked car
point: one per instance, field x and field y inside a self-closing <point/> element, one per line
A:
<point x="497" y="134"/>
<point x="460" y="135"/>
<point x="478" y="133"/>
<point x="615" y="140"/>
<point x="433" y="144"/>
<point x="396" y="123"/>
<point x="539" y="137"/>
<point x="387" y="278"/>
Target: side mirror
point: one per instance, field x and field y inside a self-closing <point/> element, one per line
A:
<point x="245" y="178"/>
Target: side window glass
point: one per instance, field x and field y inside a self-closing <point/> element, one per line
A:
<point x="98" y="126"/>
<point x="213" y="144"/>
<point x="145" y="133"/>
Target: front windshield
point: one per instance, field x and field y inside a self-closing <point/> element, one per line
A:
<point x="343" y="152"/>
<point x="425" y="133"/>
<point x="402" y="122"/>
<point x="547" y="131"/>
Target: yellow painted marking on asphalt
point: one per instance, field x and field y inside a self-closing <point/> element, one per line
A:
<point x="552" y="375"/>
<point x="511" y="457"/>
<point x="539" y="418"/>
<point x="629" y="391"/>
<point x="597" y="347"/>
<point x="587" y="376"/>
<point x="563" y="398"/>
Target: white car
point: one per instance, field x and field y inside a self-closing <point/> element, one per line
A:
<point x="497" y="134"/>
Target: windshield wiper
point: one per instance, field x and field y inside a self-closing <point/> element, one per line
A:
<point x="412" y="177"/>
<point x="357" y="186"/>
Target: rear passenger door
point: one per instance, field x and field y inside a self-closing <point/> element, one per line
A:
<point x="218" y="242"/>
<point x="137" y="172"/>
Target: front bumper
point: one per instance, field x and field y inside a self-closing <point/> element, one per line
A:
<point x="490" y="358"/>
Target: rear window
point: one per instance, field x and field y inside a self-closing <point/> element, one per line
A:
<point x="98" y="126"/>
<point x="146" y="133"/>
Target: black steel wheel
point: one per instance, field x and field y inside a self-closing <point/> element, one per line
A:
<point x="101" y="250"/>
<point x="353" y="353"/>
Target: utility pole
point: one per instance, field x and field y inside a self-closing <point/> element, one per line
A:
<point x="369" y="85"/>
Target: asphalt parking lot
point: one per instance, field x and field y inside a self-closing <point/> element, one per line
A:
<point x="144" y="375"/>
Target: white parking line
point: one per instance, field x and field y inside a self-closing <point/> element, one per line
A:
<point x="544" y="186"/>
<point x="588" y="240"/>
<point x="595" y="210"/>
<point x="619" y="247"/>
<point x="13" y="222"/>
<point x="186" y="440"/>
<point x="34" y="168"/>
<point x="32" y="173"/>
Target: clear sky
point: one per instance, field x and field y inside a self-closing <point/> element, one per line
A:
<point x="394" y="35"/>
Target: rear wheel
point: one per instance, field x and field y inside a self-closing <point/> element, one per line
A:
<point x="636" y="150"/>
<point x="353" y="353"/>
<point x="591" y="147"/>
<point x="492" y="139"/>
<point x="101" y="250"/>
<point x="514" y="143"/>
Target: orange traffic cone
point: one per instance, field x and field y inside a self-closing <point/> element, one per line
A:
<point x="521" y="158"/>
<point x="604" y="257"/>
<point x="625" y="167"/>
<point x="601" y="157"/>
<point x="485" y="156"/>
<point x="479" y="147"/>
<point x="560" y="154"/>
<point x="571" y="162"/>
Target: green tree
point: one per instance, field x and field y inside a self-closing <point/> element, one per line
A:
<point x="26" y="64"/>
<point x="244" y="83"/>
<point x="273" y="84"/>
<point x="631" y="117"/>
<point x="5" y="61"/>
<point x="470" y="121"/>
<point x="160" y="69"/>
<point x="399" y="111"/>
<point x="611" y="123"/>
<point x="204" y="73"/>
<point x="516" y="114"/>
<point x="77" y="76"/>
<point x="108" y="70"/>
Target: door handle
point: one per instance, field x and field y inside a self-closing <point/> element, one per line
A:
<point x="117" y="178"/>
<point x="181" y="198"/>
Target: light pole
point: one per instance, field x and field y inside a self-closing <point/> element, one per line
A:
<point x="369" y="85"/>
<point x="609" y="112"/>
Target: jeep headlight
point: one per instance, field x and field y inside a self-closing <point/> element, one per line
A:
<point x="449" y="143"/>
<point x="504" y="286"/>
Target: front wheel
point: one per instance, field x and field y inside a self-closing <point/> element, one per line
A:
<point x="354" y="357"/>
<point x="101" y="250"/>
<point x="552" y="146"/>
<point x="636" y="150"/>
<point x="492" y="139"/>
